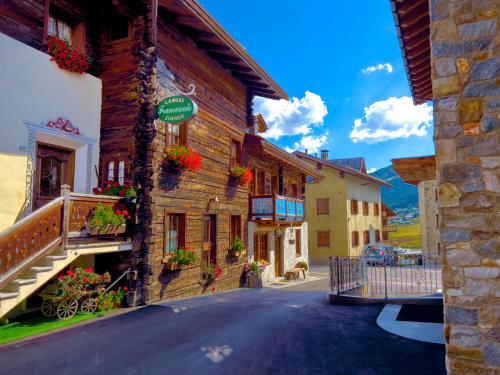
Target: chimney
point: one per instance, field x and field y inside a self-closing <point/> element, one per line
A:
<point x="324" y="154"/>
<point x="305" y="151"/>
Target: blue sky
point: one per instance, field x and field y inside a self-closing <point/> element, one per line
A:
<point x="322" y="47"/>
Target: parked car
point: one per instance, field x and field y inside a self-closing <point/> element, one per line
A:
<point x="380" y="254"/>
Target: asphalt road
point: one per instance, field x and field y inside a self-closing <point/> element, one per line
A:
<point x="261" y="331"/>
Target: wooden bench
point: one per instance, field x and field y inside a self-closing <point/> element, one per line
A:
<point x="295" y="273"/>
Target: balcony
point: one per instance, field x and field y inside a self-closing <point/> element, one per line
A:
<point x="389" y="228"/>
<point x="276" y="208"/>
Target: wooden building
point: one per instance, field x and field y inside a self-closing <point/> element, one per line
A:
<point x="141" y="53"/>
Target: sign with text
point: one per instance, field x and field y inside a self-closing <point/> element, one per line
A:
<point x="176" y="109"/>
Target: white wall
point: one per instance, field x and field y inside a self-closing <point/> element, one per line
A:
<point x="289" y="258"/>
<point x="35" y="90"/>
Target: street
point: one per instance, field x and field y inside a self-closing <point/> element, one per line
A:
<point x="246" y="331"/>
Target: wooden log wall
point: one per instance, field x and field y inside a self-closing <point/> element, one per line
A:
<point x="221" y="99"/>
<point x="23" y="21"/>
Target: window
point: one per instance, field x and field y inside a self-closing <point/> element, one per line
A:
<point x="268" y="183"/>
<point x="355" y="238"/>
<point x="274" y="185"/>
<point x="354" y="207"/>
<point x="323" y="206"/>
<point x="261" y="183"/>
<point x="260" y="247"/>
<point x="121" y="172"/>
<point x="376" y="209"/>
<point x="175" y="134"/>
<point x="111" y="171"/>
<point x="385" y="236"/>
<point x="377" y="235"/>
<point x="295" y="190"/>
<point x="174" y="232"/>
<point x="235" y="153"/>
<point x="366" y="209"/>
<point x="235" y="228"/>
<point x="118" y="28"/>
<point x="366" y="237"/>
<point x="323" y="238"/>
<point x="60" y="29"/>
<point x="298" y="244"/>
<point x="437" y="220"/>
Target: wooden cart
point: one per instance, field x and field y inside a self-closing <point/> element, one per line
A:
<point x="65" y="305"/>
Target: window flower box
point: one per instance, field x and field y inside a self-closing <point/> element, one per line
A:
<point x="105" y="221"/>
<point x="183" y="158"/>
<point x="242" y="174"/>
<point x="67" y="56"/>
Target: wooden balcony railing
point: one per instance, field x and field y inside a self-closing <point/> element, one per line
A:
<point x="44" y="230"/>
<point x="389" y="228"/>
<point x="276" y="208"/>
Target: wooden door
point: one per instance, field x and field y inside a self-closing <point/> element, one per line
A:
<point x="278" y="257"/>
<point x="54" y="168"/>
<point x="274" y="185"/>
<point x="210" y="239"/>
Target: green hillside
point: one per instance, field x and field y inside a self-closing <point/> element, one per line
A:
<point x="401" y="195"/>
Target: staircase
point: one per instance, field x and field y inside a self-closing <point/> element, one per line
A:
<point x="41" y="245"/>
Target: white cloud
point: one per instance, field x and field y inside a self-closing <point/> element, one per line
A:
<point x="309" y="142"/>
<point x="390" y="119"/>
<point x="296" y="116"/>
<point x="371" y="170"/>
<point x="370" y="69"/>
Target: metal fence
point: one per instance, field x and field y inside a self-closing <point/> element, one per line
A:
<point x="395" y="276"/>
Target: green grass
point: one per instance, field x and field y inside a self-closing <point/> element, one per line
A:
<point x="25" y="328"/>
<point x="408" y="236"/>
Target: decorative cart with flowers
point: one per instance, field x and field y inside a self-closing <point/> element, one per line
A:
<point x="254" y="274"/>
<point x="81" y="289"/>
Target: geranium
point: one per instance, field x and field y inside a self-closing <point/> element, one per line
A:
<point x="211" y="273"/>
<point x="104" y="215"/>
<point x="255" y="268"/>
<point x="67" y="56"/>
<point x="244" y="174"/>
<point x="184" y="157"/>
<point x="113" y="188"/>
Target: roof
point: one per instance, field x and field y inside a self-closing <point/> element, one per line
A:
<point x="415" y="170"/>
<point x="208" y="34"/>
<point x="347" y="170"/>
<point x="413" y="27"/>
<point x="284" y="156"/>
<point x="387" y="210"/>
<point x="354" y="163"/>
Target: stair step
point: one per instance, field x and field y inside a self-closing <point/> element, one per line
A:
<point x="20" y="282"/>
<point x="8" y="295"/>
<point x="41" y="269"/>
<point x="56" y="257"/>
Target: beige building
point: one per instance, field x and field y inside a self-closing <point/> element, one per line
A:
<point x="344" y="209"/>
<point x="421" y="171"/>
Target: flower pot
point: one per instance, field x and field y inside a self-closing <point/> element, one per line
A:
<point x="172" y="266"/>
<point x="106" y="230"/>
<point x="254" y="281"/>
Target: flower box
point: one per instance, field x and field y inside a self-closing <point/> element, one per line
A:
<point x="254" y="281"/>
<point x="172" y="266"/>
<point x="183" y="158"/>
<point x="67" y="56"/>
<point x="242" y="174"/>
<point x="107" y="229"/>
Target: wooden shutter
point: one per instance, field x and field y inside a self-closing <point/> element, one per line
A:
<point x="323" y="238"/>
<point x="323" y="206"/>
<point x="376" y="210"/>
<point x="355" y="238"/>
<point x="377" y="235"/>
<point x="366" y="209"/>
<point x="366" y="237"/>
<point x="354" y="207"/>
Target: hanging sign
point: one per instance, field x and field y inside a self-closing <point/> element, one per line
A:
<point x="176" y="109"/>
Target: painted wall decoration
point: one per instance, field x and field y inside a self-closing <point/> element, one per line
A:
<point x="176" y="109"/>
<point x="64" y="125"/>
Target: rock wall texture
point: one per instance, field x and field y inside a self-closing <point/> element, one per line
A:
<point x="466" y="76"/>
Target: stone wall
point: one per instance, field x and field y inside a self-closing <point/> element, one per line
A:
<point x="466" y="74"/>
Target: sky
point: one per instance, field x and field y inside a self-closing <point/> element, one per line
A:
<point x="341" y="65"/>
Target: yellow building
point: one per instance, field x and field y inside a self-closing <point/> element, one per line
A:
<point x="344" y="209"/>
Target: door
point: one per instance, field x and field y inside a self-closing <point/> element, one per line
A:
<point x="210" y="239"/>
<point x="278" y="257"/>
<point x="54" y="168"/>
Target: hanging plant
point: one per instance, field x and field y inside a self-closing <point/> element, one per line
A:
<point x="243" y="174"/>
<point x="67" y="56"/>
<point x="184" y="158"/>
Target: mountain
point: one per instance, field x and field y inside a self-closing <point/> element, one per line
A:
<point x="401" y="195"/>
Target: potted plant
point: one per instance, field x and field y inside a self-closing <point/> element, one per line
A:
<point x="254" y="274"/>
<point x="67" y="56"/>
<point x="179" y="258"/>
<point x="238" y="246"/>
<point x="211" y="273"/>
<point x="114" y="188"/>
<point x="183" y="158"/>
<point x="104" y="220"/>
<point x="242" y="174"/>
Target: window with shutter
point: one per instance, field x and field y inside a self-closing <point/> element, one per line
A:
<point x="376" y="209"/>
<point x="377" y="235"/>
<point x="174" y="232"/>
<point x="235" y="153"/>
<point x="355" y="239"/>
<point x="260" y="247"/>
<point x="235" y="228"/>
<point x="322" y="206"/>
<point x="366" y="237"/>
<point x="366" y="209"/>
<point x="354" y="207"/>
<point x="323" y="238"/>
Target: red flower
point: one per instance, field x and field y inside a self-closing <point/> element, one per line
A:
<point x="85" y="279"/>
<point x="125" y="213"/>
<point x="96" y="191"/>
<point x="61" y="277"/>
<point x="89" y="270"/>
<point x="118" y="212"/>
<point x="125" y="288"/>
<point x="70" y="273"/>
